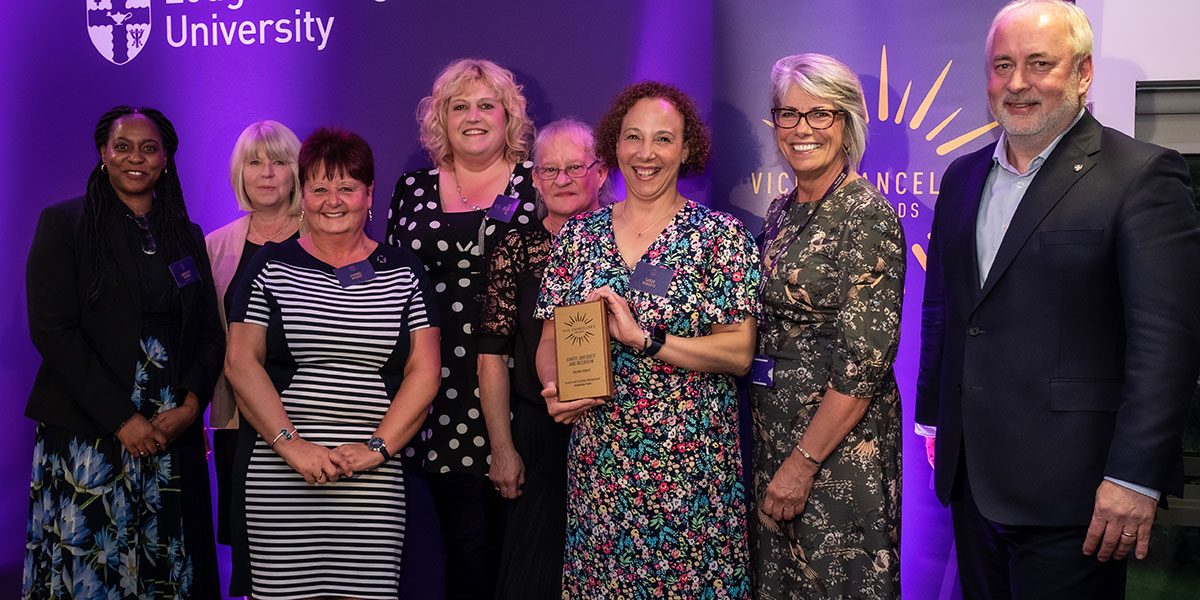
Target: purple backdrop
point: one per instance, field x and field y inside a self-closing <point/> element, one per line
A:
<point x="214" y="66"/>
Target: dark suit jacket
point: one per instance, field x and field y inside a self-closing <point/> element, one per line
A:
<point x="1078" y="356"/>
<point x="89" y="349"/>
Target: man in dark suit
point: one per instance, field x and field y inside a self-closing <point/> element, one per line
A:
<point x="1060" y="328"/>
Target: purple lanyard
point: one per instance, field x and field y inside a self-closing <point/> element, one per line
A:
<point x="783" y="214"/>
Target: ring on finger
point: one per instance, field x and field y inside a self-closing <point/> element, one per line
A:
<point x="1128" y="535"/>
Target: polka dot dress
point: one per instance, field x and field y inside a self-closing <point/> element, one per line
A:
<point x="454" y="436"/>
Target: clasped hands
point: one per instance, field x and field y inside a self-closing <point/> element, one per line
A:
<point x="321" y="465"/>
<point x="143" y="437"/>
<point x="623" y="327"/>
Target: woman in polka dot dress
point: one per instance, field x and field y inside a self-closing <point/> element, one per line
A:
<point x="475" y="129"/>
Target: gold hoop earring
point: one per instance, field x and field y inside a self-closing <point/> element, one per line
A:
<point x="103" y="168"/>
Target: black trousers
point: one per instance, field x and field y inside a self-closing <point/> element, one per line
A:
<point x="471" y="520"/>
<point x="1022" y="562"/>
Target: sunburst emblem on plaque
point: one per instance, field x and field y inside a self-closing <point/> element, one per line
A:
<point x="579" y="338"/>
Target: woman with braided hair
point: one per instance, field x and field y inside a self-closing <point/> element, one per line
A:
<point x="122" y="310"/>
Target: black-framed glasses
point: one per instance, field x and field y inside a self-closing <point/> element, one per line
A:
<point x="574" y="171"/>
<point x="786" y="117"/>
<point x="149" y="246"/>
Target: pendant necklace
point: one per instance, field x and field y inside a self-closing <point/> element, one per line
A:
<point x="669" y="212"/>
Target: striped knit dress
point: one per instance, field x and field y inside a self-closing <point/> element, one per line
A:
<point x="336" y="355"/>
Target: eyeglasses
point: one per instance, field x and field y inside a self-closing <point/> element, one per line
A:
<point x="786" y="117"/>
<point x="574" y="171"/>
<point x="149" y="246"/>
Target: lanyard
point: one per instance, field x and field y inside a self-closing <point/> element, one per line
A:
<point x="783" y="214"/>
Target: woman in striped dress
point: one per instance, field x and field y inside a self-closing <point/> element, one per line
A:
<point x="333" y="354"/>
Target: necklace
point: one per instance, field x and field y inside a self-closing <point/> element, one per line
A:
<point x="461" y="196"/>
<point x="669" y="212"/>
<point x="272" y="237"/>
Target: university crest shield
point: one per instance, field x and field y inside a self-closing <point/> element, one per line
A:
<point x="119" y="28"/>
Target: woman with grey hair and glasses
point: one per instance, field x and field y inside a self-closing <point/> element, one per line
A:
<point x="529" y="453"/>
<point x="825" y="405"/>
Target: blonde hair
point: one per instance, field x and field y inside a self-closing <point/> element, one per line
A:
<point x="431" y="111"/>
<point x="277" y="142"/>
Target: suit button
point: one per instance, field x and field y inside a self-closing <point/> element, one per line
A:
<point x="958" y="388"/>
<point x="974" y="331"/>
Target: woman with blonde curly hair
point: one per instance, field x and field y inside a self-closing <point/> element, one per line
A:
<point x="480" y="186"/>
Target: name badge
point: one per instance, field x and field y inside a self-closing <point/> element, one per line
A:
<point x="762" y="371"/>
<point x="503" y="208"/>
<point x="355" y="273"/>
<point x="651" y="279"/>
<point x="184" y="271"/>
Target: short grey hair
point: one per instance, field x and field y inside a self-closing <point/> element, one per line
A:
<point x="277" y="142"/>
<point x="1079" y="34"/>
<point x="827" y="78"/>
<point x="580" y="131"/>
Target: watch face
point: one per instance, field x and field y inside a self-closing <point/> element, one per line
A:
<point x="375" y="444"/>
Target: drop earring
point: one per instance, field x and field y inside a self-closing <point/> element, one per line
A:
<point x="370" y="217"/>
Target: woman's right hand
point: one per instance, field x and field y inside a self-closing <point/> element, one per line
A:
<point x="309" y="460"/>
<point x="140" y="438"/>
<point x="567" y="412"/>
<point x="507" y="472"/>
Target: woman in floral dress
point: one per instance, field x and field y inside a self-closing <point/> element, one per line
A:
<point x="826" y="484"/>
<point x="122" y="310"/>
<point x="655" y="500"/>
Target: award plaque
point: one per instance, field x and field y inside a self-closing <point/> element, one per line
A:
<point x="584" y="351"/>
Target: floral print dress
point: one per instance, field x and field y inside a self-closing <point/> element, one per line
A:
<point x="105" y="524"/>
<point x="656" y="505"/>
<point x="831" y="319"/>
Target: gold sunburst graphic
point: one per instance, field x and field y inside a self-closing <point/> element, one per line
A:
<point x="581" y="329"/>
<point x="884" y="111"/>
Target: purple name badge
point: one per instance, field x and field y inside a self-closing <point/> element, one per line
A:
<point x="355" y="273"/>
<point x="651" y="279"/>
<point x="184" y="271"/>
<point x="503" y="208"/>
<point x="762" y="371"/>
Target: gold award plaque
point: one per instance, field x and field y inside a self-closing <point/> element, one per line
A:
<point x="584" y="351"/>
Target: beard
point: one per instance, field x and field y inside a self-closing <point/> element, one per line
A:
<point x="1052" y="121"/>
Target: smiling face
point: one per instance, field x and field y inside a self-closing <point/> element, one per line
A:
<point x="566" y="197"/>
<point x="1034" y="89"/>
<point x="811" y="153"/>
<point x="476" y="122"/>
<point x="134" y="157"/>
<point x="268" y="182"/>
<point x="651" y="149"/>
<point x="335" y="204"/>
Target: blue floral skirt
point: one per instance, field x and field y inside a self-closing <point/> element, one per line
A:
<point x="102" y="523"/>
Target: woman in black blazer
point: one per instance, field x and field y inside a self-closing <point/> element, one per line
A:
<point x="122" y="310"/>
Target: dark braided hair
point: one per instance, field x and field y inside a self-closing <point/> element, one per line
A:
<point x="102" y="203"/>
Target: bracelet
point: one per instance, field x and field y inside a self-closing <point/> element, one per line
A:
<point x="805" y="454"/>
<point x="283" y="433"/>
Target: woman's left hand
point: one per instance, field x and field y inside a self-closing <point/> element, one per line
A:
<point x="174" y="421"/>
<point x="787" y="494"/>
<point x="355" y="458"/>
<point x="621" y="324"/>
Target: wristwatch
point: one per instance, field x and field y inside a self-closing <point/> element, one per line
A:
<point x="657" y="338"/>
<point x="377" y="445"/>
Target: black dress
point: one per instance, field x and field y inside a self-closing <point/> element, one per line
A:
<point x="454" y="437"/>
<point x="535" y="530"/>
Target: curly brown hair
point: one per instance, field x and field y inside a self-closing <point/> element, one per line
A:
<point x="696" y="137"/>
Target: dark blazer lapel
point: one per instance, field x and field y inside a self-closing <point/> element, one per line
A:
<point x="967" y="262"/>
<point x="1055" y="178"/>
<point x="124" y="260"/>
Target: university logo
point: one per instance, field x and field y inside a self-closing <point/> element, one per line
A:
<point x="119" y="28"/>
